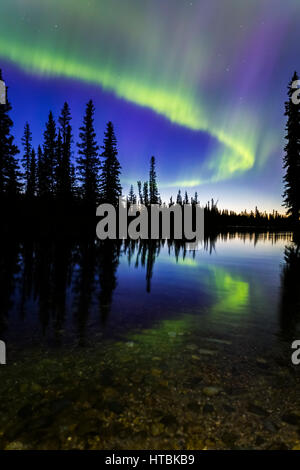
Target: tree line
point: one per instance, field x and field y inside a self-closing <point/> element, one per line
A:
<point x="49" y="173"/>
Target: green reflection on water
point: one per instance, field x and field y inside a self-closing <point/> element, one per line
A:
<point x="231" y="294"/>
<point x="232" y="291"/>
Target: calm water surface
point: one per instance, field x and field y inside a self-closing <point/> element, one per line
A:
<point x="136" y="346"/>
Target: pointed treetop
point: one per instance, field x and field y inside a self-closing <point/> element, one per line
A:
<point x="65" y="118"/>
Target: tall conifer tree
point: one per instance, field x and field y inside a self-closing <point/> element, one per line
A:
<point x="146" y="193"/>
<point x="291" y="195"/>
<point x="179" y="197"/>
<point x="64" y="189"/>
<point x="131" y="196"/>
<point x="139" y="185"/>
<point x="88" y="161"/>
<point x="26" y="141"/>
<point x="9" y="168"/>
<point x="49" y="157"/>
<point x="110" y="186"/>
<point x="153" y="188"/>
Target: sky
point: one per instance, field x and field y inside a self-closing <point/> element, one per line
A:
<point x="199" y="84"/>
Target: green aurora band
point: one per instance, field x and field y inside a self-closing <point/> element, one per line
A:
<point x="170" y="104"/>
<point x="164" y="57"/>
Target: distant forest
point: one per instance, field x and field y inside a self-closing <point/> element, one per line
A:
<point x="63" y="178"/>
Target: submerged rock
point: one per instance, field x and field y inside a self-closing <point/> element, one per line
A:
<point x="16" y="445"/>
<point x="211" y="391"/>
<point x="196" y="358"/>
<point x="262" y="363"/>
<point x="219" y="341"/>
<point x="192" y="347"/>
<point x="207" y="352"/>
<point x="270" y="426"/>
<point x="157" y="429"/>
<point x="36" y="387"/>
<point x="193" y="382"/>
<point x="258" y="410"/>
<point x="172" y="334"/>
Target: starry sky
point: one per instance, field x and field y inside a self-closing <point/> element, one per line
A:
<point x="200" y="84"/>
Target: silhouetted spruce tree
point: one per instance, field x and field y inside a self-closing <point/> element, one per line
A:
<point x="110" y="186"/>
<point x="32" y="178"/>
<point x="9" y="168"/>
<point x="131" y="196"/>
<point x="64" y="121"/>
<point x="291" y="195"/>
<point x="153" y="188"/>
<point x="186" y="198"/>
<point x="26" y="141"/>
<point x="146" y="193"/>
<point x="179" y="198"/>
<point x="64" y="170"/>
<point x="49" y="157"/>
<point x="88" y="162"/>
<point x="139" y="185"/>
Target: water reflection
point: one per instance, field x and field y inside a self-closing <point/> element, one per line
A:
<point x="55" y="288"/>
<point x="232" y="292"/>
<point x="290" y="291"/>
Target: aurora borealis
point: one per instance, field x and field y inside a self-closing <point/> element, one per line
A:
<point x="200" y="84"/>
